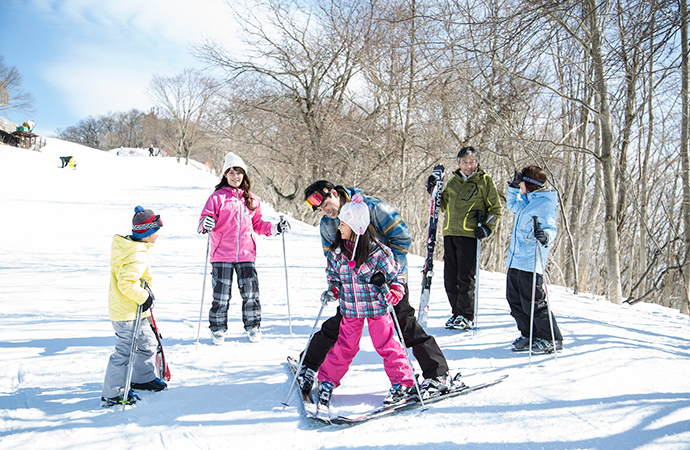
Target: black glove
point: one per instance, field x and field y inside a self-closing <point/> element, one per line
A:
<point x="482" y="231"/>
<point x="283" y="225"/>
<point x="148" y="303"/>
<point x="541" y="235"/>
<point x="515" y="183"/>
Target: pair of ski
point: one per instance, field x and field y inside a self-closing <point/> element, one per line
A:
<point x="322" y="414"/>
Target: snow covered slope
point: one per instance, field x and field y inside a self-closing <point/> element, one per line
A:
<point x="622" y="382"/>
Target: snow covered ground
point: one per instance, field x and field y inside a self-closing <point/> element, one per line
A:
<point x="622" y="382"/>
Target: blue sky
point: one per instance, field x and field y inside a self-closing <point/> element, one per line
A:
<point x="89" y="57"/>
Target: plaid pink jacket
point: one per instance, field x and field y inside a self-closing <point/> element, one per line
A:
<point x="357" y="296"/>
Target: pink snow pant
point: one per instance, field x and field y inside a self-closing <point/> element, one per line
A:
<point x="382" y="332"/>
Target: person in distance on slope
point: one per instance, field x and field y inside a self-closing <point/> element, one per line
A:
<point x="528" y="197"/>
<point x="129" y="264"/>
<point x="353" y="259"/>
<point x="469" y="192"/>
<point x="232" y="214"/>
<point x="390" y="230"/>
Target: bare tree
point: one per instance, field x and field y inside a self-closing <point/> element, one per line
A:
<point x="185" y="100"/>
<point x="12" y="97"/>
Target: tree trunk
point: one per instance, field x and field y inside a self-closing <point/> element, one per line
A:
<point x="685" y="154"/>
<point x="608" y="161"/>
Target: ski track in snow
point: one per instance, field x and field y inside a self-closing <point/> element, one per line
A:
<point x="621" y="382"/>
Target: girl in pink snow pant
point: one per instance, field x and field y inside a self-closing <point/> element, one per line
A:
<point x="350" y="268"/>
<point x="382" y="332"/>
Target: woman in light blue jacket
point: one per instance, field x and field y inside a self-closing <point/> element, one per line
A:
<point x="528" y="198"/>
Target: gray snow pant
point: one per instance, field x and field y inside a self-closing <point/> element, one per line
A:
<point x="144" y="359"/>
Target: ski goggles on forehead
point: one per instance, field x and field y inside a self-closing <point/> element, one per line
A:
<point x="316" y="199"/>
<point x="522" y="177"/>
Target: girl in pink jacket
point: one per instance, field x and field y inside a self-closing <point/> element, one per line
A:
<point x="232" y="214"/>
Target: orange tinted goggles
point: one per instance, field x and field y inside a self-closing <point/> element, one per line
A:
<point x="315" y="200"/>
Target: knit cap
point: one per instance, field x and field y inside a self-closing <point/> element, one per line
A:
<point x="355" y="213"/>
<point x="232" y="160"/>
<point x="145" y="222"/>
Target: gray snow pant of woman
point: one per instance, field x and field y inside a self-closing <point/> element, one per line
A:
<point x="144" y="357"/>
<point x="248" y="282"/>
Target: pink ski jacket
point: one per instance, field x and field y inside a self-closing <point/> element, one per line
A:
<point x="232" y="240"/>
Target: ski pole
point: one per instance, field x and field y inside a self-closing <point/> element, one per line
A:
<point x="476" y="277"/>
<point x="203" y="290"/>
<point x="287" y="291"/>
<point x="378" y="280"/>
<point x="534" y="293"/>
<point x="407" y="355"/>
<point x="130" y="365"/>
<point x="304" y="353"/>
<point x="548" y="306"/>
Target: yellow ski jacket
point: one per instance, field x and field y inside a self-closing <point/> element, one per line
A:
<point x="129" y="263"/>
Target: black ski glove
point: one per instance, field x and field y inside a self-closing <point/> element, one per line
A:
<point x="482" y="231"/>
<point x="430" y="184"/>
<point x="515" y="183"/>
<point x="148" y="303"/>
<point x="541" y="235"/>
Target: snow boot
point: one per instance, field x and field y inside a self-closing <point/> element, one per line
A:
<point x="218" y="337"/>
<point x="112" y="401"/>
<point x="439" y="385"/>
<point x="254" y="334"/>
<point x="520" y="344"/>
<point x="305" y="379"/>
<point x="397" y="393"/>
<point x="449" y="322"/>
<point x="460" y="323"/>
<point x="325" y="393"/>
<point x="155" y="385"/>
<point x="542" y="346"/>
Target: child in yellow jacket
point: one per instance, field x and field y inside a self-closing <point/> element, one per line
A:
<point x="129" y="264"/>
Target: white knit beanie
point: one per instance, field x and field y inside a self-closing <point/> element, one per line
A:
<point x="355" y="214"/>
<point x="232" y="160"/>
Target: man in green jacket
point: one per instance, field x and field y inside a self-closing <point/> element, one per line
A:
<point x="472" y="207"/>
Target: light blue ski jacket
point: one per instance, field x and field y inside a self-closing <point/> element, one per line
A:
<point x="542" y="204"/>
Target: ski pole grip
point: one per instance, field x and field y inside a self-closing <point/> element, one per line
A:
<point x="535" y="223"/>
<point x="479" y="218"/>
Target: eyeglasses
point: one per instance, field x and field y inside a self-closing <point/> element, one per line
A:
<point x="316" y="199"/>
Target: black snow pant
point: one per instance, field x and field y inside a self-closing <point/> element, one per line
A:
<point x="460" y="265"/>
<point x="424" y="347"/>
<point x="519" y="295"/>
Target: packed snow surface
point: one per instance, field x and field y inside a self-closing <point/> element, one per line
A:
<point x="622" y="381"/>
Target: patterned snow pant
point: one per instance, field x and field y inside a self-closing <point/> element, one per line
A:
<point x="144" y="357"/>
<point x="248" y="282"/>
